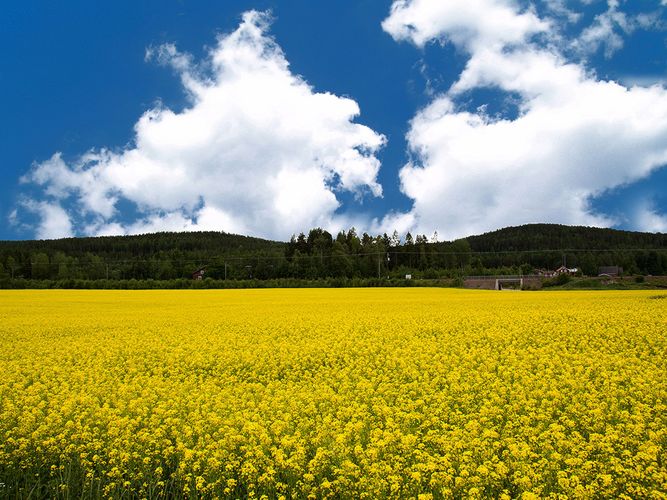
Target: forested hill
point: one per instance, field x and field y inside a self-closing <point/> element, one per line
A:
<point x="193" y="245"/>
<point x="148" y="256"/>
<point x="319" y="255"/>
<point x="533" y="237"/>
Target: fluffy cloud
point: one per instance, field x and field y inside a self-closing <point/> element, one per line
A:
<point x="54" y="220"/>
<point x="471" y="24"/>
<point x="257" y="151"/>
<point x="603" y="32"/>
<point x="575" y="135"/>
<point x="608" y="29"/>
<point x="647" y="218"/>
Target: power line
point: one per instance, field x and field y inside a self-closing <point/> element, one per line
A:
<point x="391" y="251"/>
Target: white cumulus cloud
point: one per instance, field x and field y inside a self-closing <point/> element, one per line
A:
<point x="54" y="221"/>
<point x="472" y="24"/>
<point x="647" y="218"/>
<point x="575" y="136"/>
<point x="257" y="151"/>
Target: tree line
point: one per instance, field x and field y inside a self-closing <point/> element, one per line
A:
<point x="318" y="255"/>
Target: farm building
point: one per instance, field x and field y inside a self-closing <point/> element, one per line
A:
<point x="566" y="270"/>
<point x="610" y="271"/>
<point x="199" y="274"/>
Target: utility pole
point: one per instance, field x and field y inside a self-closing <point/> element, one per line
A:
<point x="11" y="265"/>
<point x="225" y="271"/>
<point x="107" y="265"/>
<point x="388" y="264"/>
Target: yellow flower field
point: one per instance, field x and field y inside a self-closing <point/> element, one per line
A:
<point x="359" y="393"/>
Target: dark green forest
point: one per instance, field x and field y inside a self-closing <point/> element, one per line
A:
<point x="172" y="258"/>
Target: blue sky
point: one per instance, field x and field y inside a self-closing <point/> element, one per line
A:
<point x="271" y="117"/>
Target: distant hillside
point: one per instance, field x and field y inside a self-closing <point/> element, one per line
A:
<point x="148" y="256"/>
<point x="533" y="237"/>
<point x="547" y="246"/>
<point x="321" y="255"/>
<point x="191" y="245"/>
